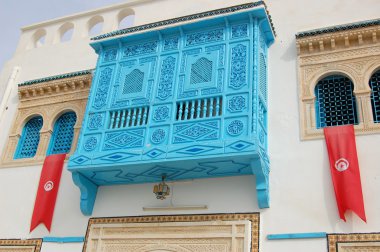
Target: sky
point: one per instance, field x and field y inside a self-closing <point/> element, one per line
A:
<point x="15" y="14"/>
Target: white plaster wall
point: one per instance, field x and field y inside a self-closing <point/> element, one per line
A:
<point x="302" y="196"/>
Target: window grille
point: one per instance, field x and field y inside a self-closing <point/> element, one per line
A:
<point x="130" y="117"/>
<point x="63" y="133"/>
<point x="133" y="82"/>
<point x="263" y="77"/>
<point x="374" y="83"/>
<point x="28" y="143"/>
<point x="335" y="102"/>
<point x="201" y="71"/>
<point x="200" y="108"/>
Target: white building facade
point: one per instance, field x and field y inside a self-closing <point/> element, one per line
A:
<point x="225" y="212"/>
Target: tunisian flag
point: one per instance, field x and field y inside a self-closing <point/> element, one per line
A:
<point x="47" y="191"/>
<point x="344" y="167"/>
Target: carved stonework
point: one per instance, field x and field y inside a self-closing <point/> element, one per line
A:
<point x="353" y="52"/>
<point x="366" y="242"/>
<point x="11" y="245"/>
<point x="49" y="98"/>
<point x="182" y="233"/>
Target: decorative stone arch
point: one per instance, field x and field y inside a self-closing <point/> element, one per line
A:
<point x="123" y="14"/>
<point x="163" y="248"/>
<point x="93" y="21"/>
<point x="25" y="118"/>
<point x="320" y="75"/>
<point x="49" y="98"/>
<point x="324" y="52"/>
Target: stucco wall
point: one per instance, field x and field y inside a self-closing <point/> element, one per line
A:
<point x="302" y="196"/>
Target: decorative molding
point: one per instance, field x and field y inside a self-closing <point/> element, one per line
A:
<point x="349" y="50"/>
<point x="337" y="28"/>
<point x="14" y="245"/>
<point x="188" y="18"/>
<point x="207" y="232"/>
<point x="50" y="99"/>
<point x="369" y="242"/>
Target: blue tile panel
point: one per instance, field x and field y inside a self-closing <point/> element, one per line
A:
<point x="63" y="134"/>
<point x="374" y="84"/>
<point x="30" y="137"/>
<point x="335" y="102"/>
<point x="189" y="102"/>
<point x="296" y="236"/>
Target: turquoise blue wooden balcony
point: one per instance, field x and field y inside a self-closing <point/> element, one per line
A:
<point x="185" y="98"/>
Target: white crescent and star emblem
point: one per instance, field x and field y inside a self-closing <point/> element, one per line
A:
<point x="49" y="186"/>
<point x="341" y="164"/>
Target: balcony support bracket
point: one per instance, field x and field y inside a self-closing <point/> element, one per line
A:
<point x="88" y="191"/>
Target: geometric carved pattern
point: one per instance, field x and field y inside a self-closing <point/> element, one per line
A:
<point x="161" y="113"/>
<point x="204" y="37"/>
<point x="95" y="121"/>
<point x="235" y="127"/>
<point x="144" y="48"/>
<point x="133" y="82"/>
<point x="124" y="139"/>
<point x="335" y="102"/>
<point x="238" y="66"/>
<point x="196" y="132"/>
<point x="11" y="245"/>
<point x="165" y="84"/>
<point x="171" y="44"/>
<point x="236" y="104"/>
<point x="374" y="84"/>
<point x="63" y="133"/>
<point x="103" y="86"/>
<point x="180" y="233"/>
<point x="364" y="242"/>
<point x="239" y="31"/>
<point x="28" y="143"/>
<point x="201" y="71"/>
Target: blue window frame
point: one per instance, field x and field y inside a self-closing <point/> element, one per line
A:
<point x="335" y="102"/>
<point x="30" y="137"/>
<point x="374" y="84"/>
<point x="63" y="134"/>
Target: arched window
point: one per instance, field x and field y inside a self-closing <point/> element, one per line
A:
<point x="374" y="84"/>
<point x="335" y="102"/>
<point x="30" y="137"/>
<point x="201" y="71"/>
<point x="63" y="134"/>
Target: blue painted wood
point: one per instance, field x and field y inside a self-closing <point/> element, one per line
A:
<point x="68" y="239"/>
<point x="296" y="236"/>
<point x="201" y="101"/>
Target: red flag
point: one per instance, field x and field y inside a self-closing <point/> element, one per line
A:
<point x="344" y="166"/>
<point x="47" y="191"/>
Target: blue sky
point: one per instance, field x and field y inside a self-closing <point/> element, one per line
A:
<point x="15" y="14"/>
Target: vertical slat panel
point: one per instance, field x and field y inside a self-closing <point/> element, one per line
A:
<point x="112" y="119"/>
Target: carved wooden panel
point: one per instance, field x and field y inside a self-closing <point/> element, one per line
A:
<point x="365" y="242"/>
<point x="32" y="245"/>
<point x="185" y="233"/>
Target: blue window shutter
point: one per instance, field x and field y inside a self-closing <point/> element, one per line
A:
<point x="63" y="134"/>
<point x="335" y="102"/>
<point x="30" y="137"/>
